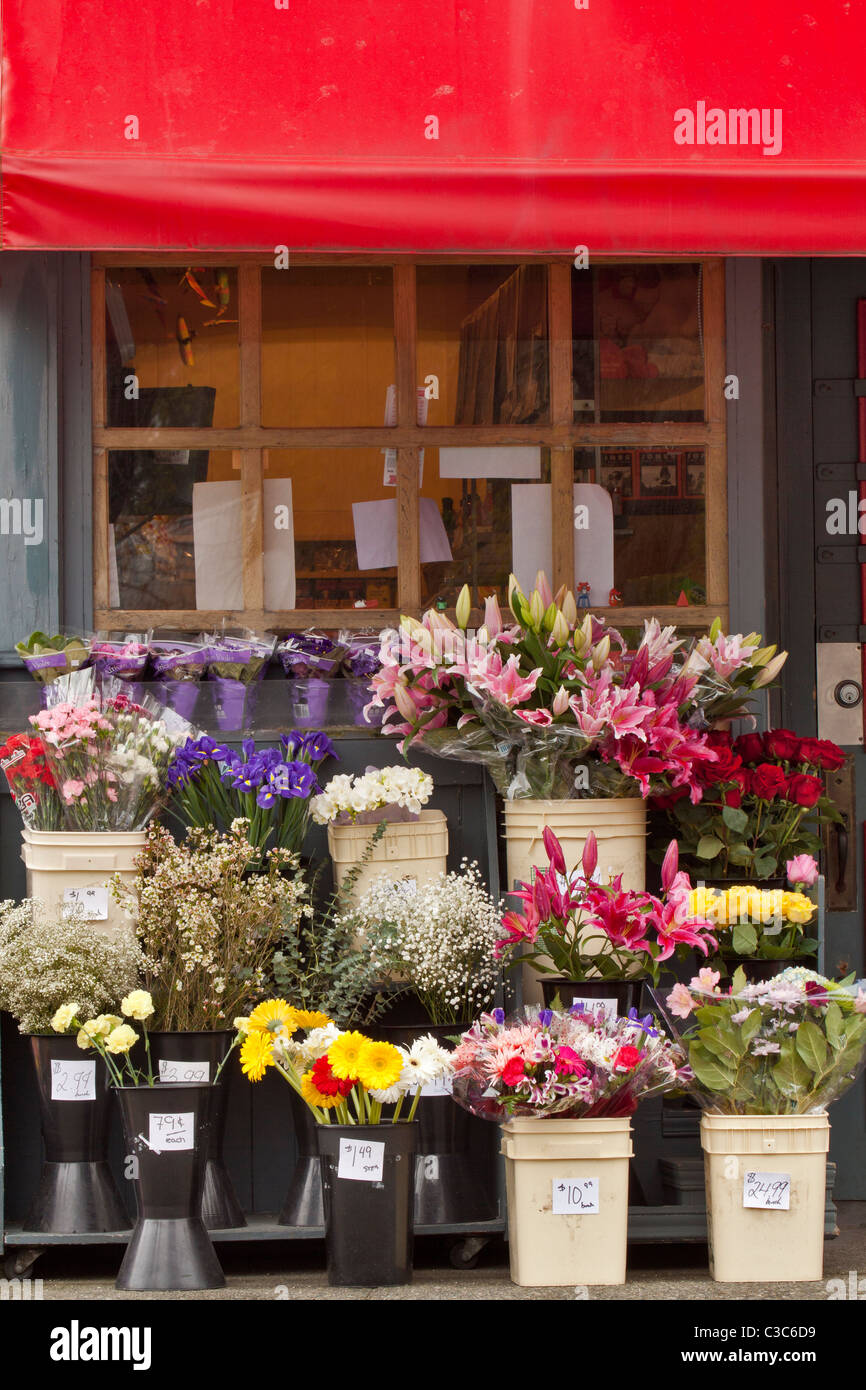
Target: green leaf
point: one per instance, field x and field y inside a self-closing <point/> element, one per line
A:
<point x="791" y="1074"/>
<point x="833" y="1026"/>
<point x="708" y="1069"/>
<point x="811" y="1046"/>
<point x="744" y="939"/>
<point x="739" y="981"/>
<point x="708" y="847"/>
<point x="765" y="865"/>
<point x="750" y="1026"/>
<point x="735" y="818"/>
<point x="739" y="852"/>
<point x="724" y="1043"/>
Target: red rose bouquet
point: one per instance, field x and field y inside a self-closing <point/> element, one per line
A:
<point x="763" y="803"/>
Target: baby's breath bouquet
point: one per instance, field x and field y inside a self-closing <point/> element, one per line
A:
<point x="343" y="1077"/>
<point x="47" y="958"/>
<point x="211" y="913"/>
<point x="438" y="940"/>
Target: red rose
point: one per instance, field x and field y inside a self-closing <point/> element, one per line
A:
<point x="734" y="797"/>
<point x="723" y="769"/>
<point x="781" y="744"/>
<point x="626" y="1059"/>
<point x="719" y="739"/>
<point x="669" y="799"/>
<point x="513" y="1071"/>
<point x="750" y="747"/>
<point x="832" y="757"/>
<point x="809" y="752"/>
<point x="805" y="790"/>
<point x="768" y="780"/>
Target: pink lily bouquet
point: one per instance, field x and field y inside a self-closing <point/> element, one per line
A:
<point x="545" y="1062"/>
<point x="573" y="926"/>
<point x="560" y="709"/>
<point x="108" y="755"/>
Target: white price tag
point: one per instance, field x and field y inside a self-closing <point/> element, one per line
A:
<point x="72" y="1080"/>
<point x="184" y="1071"/>
<point x="169" y="1133"/>
<point x="575" y="1196"/>
<point x="94" y="901"/>
<point x="442" y="1086"/>
<point x="361" y="1159"/>
<point x="407" y="886"/>
<point x="767" y="1191"/>
<point x="593" y="1005"/>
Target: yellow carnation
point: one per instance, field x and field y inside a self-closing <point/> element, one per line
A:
<point x="121" y="1039"/>
<point x="84" y="1040"/>
<point x="138" y="1005"/>
<point x="241" y="1024"/>
<point x="64" y="1016"/>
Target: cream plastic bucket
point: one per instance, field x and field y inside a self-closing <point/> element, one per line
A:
<point x="548" y="1248"/>
<point x="59" y="861"/>
<point x="619" y="824"/>
<point x="414" y="851"/>
<point x="749" y="1245"/>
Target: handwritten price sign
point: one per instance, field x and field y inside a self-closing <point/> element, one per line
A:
<point x="73" y="1080"/>
<point x="593" y="1005"/>
<point x="575" y="1197"/>
<point x="94" y="901"/>
<point x="184" y="1071"/>
<point x="442" y="1086"/>
<point x="767" y="1191"/>
<point x="363" y="1161"/>
<point x="171" y="1133"/>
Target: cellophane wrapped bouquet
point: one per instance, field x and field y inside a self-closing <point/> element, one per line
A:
<point x="108" y="754"/>
<point x="31" y="783"/>
<point x="784" y="1046"/>
<point x="543" y="1062"/>
<point x="557" y="708"/>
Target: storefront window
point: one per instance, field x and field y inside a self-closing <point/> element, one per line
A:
<point x="327" y="346"/>
<point x="171" y="347"/>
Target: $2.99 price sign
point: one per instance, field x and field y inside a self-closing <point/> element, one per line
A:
<point x="361" y="1160"/>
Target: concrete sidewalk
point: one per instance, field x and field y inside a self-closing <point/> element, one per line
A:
<point x="297" y="1272"/>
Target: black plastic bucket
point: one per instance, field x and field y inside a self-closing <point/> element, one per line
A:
<point x="368" y="1218"/>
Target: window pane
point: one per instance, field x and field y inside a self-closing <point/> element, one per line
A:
<point x="171" y="358"/>
<point x="482" y="333"/>
<point x="659" y="520"/>
<point x="337" y="567"/>
<point x="167" y="548"/>
<point x="478" y="514"/>
<point x="327" y="345"/>
<point x="638" y="345"/>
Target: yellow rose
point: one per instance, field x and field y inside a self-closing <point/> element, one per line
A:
<point x="64" y="1016"/>
<point x="138" y="1005"/>
<point x="121" y="1039"/>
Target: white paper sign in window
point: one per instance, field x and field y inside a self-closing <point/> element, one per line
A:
<point x="575" y="1196"/>
<point x="171" y="1133"/>
<point x="361" y="1160"/>
<point x="73" y="1080"/>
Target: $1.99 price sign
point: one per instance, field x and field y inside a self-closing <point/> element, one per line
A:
<point x="361" y="1160"/>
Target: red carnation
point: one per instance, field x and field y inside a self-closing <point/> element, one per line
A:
<point x="782" y="744"/>
<point x="513" y="1071"/>
<point x="768" y="780"/>
<point x="325" y="1081"/>
<point x="626" y="1059"/>
<point x="750" y="747"/>
<point x="805" y="790"/>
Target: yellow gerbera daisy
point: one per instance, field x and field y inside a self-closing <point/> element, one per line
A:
<point x="311" y="1018"/>
<point x="379" y="1066"/>
<point x="256" y="1055"/>
<point x="273" y="1016"/>
<point x="343" y="1055"/>
<point x="313" y="1096"/>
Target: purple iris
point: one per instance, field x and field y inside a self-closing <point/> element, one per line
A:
<point x="578" y="1007"/>
<point x="499" y="1016"/>
<point x="545" y="1017"/>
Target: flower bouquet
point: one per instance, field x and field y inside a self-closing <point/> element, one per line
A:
<point x="388" y="793"/>
<point x="31" y="783"/>
<point x="272" y="787"/>
<point x="127" y="660"/>
<point x="304" y="655"/>
<point x="576" y="927"/>
<point x="785" y="1046"/>
<point x="235" y="665"/>
<point x="46" y="658"/>
<point x="177" y="668"/>
<point x="359" y="664"/>
<point x="559" y="710"/>
<point x="762" y="801"/>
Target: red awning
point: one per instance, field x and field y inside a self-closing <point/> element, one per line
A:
<point x="465" y="125"/>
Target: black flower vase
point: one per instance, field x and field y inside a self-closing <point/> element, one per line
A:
<point x="196" y="1057"/>
<point x="168" y="1128"/>
<point x="368" y="1220"/>
<point x="77" y="1192"/>
<point x="455" y="1169"/>
<point x="304" y="1204"/>
<point x="627" y="993"/>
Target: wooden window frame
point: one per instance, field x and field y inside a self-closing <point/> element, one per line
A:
<point x="250" y="439"/>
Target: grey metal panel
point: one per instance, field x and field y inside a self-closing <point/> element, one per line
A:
<point x="747" y="529"/>
<point x="76" y="447"/>
<point x="28" y="442"/>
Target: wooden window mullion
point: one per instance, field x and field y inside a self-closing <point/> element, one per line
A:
<point x="559" y="332"/>
<point x="251" y="460"/>
<point x="716" y="510"/>
<point x="408" y="517"/>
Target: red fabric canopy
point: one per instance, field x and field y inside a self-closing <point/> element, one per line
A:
<point x="624" y="127"/>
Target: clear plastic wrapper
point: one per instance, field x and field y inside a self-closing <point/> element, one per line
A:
<point x="178" y="666"/>
<point x="361" y="659"/>
<point x="125" y="658"/>
<point x="235" y="665"/>
<point x="31" y="782"/>
<point x="785" y="1046"/>
<point x="309" y="654"/>
<point x="544" y="1062"/>
<point x="49" y="657"/>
